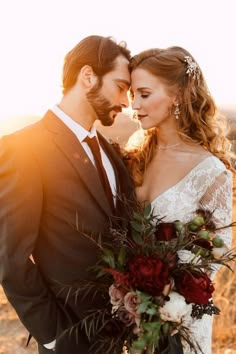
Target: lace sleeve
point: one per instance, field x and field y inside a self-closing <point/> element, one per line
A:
<point x="218" y="199"/>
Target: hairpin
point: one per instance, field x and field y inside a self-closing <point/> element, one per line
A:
<point x="192" y="68"/>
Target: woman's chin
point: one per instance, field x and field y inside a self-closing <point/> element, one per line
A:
<point x="146" y="125"/>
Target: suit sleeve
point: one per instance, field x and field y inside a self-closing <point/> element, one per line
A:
<point x="21" y="201"/>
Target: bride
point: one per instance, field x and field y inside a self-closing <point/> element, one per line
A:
<point x="182" y="163"/>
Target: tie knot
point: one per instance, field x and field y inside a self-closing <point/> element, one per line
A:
<point x="92" y="143"/>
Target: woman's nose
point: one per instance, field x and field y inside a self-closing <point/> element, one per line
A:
<point x="135" y="104"/>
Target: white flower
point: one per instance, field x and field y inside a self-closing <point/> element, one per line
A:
<point x="218" y="252"/>
<point x="186" y="256"/>
<point x="175" y="309"/>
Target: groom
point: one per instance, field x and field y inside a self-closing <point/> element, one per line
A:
<point x="53" y="185"/>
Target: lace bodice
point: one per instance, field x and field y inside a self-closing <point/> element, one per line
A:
<point x="209" y="186"/>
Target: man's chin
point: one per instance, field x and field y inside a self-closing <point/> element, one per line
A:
<point x="108" y="121"/>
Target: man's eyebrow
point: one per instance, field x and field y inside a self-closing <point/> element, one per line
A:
<point x="143" y="88"/>
<point x="125" y="82"/>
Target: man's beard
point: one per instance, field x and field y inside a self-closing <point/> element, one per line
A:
<point x="101" y="105"/>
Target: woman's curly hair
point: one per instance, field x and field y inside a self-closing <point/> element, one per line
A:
<point x="198" y="123"/>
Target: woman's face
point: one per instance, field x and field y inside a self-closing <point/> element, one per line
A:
<point x="151" y="99"/>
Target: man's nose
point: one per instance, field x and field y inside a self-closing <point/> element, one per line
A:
<point x="125" y="101"/>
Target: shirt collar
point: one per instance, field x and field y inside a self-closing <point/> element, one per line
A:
<point x="80" y="132"/>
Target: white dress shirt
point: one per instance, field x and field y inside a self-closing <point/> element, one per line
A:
<point x="81" y="133"/>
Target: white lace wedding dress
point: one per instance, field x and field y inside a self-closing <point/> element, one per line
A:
<point x="208" y="185"/>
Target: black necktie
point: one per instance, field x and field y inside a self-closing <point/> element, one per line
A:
<point x="93" y="144"/>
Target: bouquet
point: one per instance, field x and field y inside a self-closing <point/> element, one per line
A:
<point x="157" y="277"/>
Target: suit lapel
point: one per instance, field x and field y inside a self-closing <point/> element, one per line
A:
<point x="69" y="145"/>
<point x="125" y="188"/>
<point x="113" y="159"/>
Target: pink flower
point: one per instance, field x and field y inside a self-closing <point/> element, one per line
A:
<point x="131" y="303"/>
<point x="125" y="317"/>
<point x="117" y="294"/>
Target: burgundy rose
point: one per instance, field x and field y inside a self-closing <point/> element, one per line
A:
<point x="165" y="231"/>
<point x="148" y="274"/>
<point x="196" y="287"/>
<point x="201" y="242"/>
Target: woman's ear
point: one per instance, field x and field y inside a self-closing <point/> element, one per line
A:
<point x="87" y="76"/>
<point x="177" y="99"/>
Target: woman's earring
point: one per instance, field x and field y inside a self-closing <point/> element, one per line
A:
<point x="177" y="111"/>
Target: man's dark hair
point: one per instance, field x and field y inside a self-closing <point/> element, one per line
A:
<point x="98" y="52"/>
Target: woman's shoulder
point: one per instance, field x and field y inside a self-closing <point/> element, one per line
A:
<point x="205" y="159"/>
<point x="213" y="166"/>
<point x="214" y="161"/>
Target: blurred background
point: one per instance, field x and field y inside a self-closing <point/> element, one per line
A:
<point x="35" y="35"/>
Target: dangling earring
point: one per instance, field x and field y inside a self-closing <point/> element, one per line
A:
<point x="177" y="111"/>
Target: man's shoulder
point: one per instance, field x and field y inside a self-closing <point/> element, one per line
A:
<point x="22" y="133"/>
<point x="29" y="133"/>
<point x="25" y="139"/>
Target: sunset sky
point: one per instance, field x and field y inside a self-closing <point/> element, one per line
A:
<point x="35" y="36"/>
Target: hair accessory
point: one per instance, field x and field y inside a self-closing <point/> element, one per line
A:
<point x="192" y="68"/>
<point x="177" y="111"/>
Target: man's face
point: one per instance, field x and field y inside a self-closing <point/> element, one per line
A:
<point x="109" y="94"/>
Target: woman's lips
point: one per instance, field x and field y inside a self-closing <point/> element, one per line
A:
<point x="141" y="116"/>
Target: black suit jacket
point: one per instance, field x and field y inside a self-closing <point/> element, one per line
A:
<point x="48" y="186"/>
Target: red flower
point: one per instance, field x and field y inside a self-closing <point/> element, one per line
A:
<point x="119" y="277"/>
<point x="203" y="243"/>
<point x="196" y="287"/>
<point x="165" y="231"/>
<point x="148" y="274"/>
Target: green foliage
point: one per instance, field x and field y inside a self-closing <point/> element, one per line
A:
<point x="108" y="257"/>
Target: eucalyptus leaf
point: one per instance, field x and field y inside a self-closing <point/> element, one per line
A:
<point x="138" y="216"/>
<point x="152" y="326"/>
<point x="139" y="344"/>
<point x="142" y="307"/>
<point x="110" y="260"/>
<point x="137" y="238"/>
<point x="122" y="256"/>
<point x="137" y="227"/>
<point x="147" y="210"/>
<point x="152" y="311"/>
